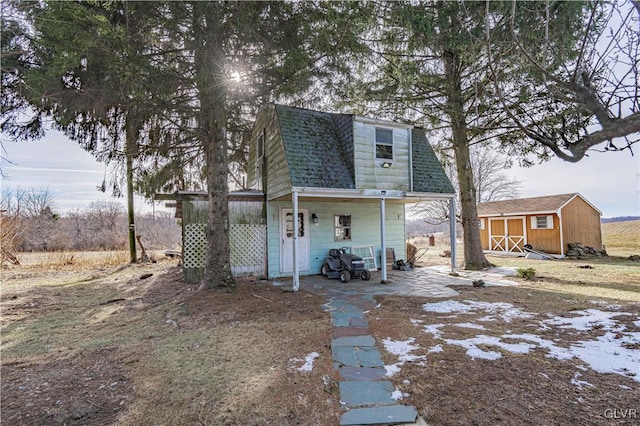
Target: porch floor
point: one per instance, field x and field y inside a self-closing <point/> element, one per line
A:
<point x="432" y="281"/>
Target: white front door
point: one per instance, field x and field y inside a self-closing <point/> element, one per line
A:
<point x="286" y="236"/>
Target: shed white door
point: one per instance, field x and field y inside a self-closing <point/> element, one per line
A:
<point x="507" y="235"/>
<point x="286" y="236"/>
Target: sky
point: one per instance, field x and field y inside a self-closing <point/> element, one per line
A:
<point x="60" y="166"/>
<point x="610" y="181"/>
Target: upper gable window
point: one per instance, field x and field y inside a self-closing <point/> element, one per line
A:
<point x="384" y="143"/>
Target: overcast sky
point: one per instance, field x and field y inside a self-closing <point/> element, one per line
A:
<point x="58" y="164"/>
<point x="610" y="181"/>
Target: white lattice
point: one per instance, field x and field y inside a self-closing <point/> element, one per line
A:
<point x="194" y="246"/>
<point x="248" y="245"/>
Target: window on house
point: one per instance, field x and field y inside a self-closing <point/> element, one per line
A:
<point x="542" y="222"/>
<point x="384" y="144"/>
<point x="342" y="224"/>
<point x="481" y="223"/>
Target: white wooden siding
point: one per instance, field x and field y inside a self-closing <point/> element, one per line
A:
<point x="369" y="171"/>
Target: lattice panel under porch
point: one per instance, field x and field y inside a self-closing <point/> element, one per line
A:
<point x="195" y="246"/>
<point x="248" y="244"/>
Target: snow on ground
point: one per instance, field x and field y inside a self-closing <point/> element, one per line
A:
<point x="587" y="320"/>
<point x="308" y="361"/>
<point x="475" y="352"/>
<point x="613" y="352"/>
<point x="403" y="349"/>
<point x="503" y="311"/>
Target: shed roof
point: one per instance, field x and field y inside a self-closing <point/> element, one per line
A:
<point x="545" y="204"/>
<point x="314" y="151"/>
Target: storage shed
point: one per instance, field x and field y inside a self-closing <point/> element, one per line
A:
<point x="546" y="223"/>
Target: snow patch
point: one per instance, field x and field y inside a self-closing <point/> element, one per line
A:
<point x="504" y="311"/>
<point x="308" y="361"/>
<point x="475" y="352"/>
<point x="470" y="325"/>
<point x="435" y="349"/>
<point x="580" y="383"/>
<point x="588" y="320"/>
<point x="402" y="349"/>
<point x="397" y="394"/>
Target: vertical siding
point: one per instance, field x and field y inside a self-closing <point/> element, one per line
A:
<point x="545" y="240"/>
<point x="484" y="234"/>
<point x="365" y="229"/>
<point x="369" y="173"/>
<point x="581" y="224"/>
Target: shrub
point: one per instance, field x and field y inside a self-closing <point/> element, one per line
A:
<point x="526" y="273"/>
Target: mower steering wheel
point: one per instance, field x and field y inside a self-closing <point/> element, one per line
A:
<point x="344" y="250"/>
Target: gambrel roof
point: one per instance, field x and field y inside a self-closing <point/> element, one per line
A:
<point x="319" y="150"/>
<point x="544" y="204"/>
<point x="314" y="150"/>
<point x="428" y="174"/>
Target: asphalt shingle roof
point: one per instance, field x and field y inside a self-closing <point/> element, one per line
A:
<point x="428" y="174"/>
<point x="316" y="155"/>
<point x="547" y="203"/>
<point x="319" y="151"/>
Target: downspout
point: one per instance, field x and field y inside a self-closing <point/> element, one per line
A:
<point x="561" y="233"/>
<point x="296" y="272"/>
<point x="383" y="242"/>
<point x="452" y="232"/>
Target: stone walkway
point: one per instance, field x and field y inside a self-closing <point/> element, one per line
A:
<point x="364" y="391"/>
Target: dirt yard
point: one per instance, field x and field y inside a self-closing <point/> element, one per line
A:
<point x="90" y="343"/>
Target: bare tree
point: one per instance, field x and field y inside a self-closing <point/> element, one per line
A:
<point x="588" y="102"/>
<point x="489" y="178"/>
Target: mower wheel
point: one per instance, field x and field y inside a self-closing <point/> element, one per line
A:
<point x="345" y="276"/>
<point x="324" y="270"/>
<point x="365" y="275"/>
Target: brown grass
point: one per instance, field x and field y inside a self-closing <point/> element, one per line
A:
<point x="89" y="342"/>
<point x="119" y="349"/>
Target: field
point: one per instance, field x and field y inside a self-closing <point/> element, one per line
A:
<point x="89" y="340"/>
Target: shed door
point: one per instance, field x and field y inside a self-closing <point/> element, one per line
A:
<point x="286" y="236"/>
<point x="507" y="235"/>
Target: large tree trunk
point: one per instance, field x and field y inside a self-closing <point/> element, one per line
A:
<point x="212" y="93"/>
<point x="474" y="258"/>
<point x="131" y="138"/>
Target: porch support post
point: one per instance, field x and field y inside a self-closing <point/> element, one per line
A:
<point x="296" y="272"/>
<point x="452" y="232"/>
<point x="383" y="242"/>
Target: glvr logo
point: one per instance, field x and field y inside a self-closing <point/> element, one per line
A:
<point x="619" y="413"/>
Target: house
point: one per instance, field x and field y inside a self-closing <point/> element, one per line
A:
<point x="548" y="224"/>
<point x="345" y="178"/>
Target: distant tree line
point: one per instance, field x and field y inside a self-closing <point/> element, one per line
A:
<point x="34" y="225"/>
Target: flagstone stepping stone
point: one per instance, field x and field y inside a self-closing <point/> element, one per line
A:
<point x="356" y="394"/>
<point x="390" y="414"/>
<point x="354" y="341"/>
<point x="365" y="374"/>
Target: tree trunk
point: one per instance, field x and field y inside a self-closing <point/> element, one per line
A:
<point x="212" y="93"/>
<point x="131" y="137"/>
<point x="474" y="258"/>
